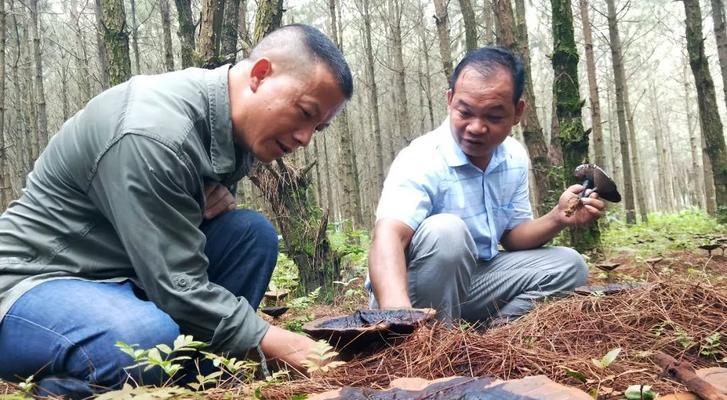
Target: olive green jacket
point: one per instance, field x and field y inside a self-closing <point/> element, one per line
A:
<point x="119" y="193"/>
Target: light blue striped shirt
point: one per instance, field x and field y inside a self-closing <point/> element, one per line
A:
<point x="433" y="176"/>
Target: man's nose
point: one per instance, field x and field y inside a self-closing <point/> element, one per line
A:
<point x="477" y="127"/>
<point x="303" y="136"/>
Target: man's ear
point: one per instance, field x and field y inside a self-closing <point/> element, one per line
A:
<point x="519" y="110"/>
<point x="261" y="69"/>
<point x="450" y="93"/>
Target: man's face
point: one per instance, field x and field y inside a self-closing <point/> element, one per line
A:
<point x="482" y="113"/>
<point x="283" y="110"/>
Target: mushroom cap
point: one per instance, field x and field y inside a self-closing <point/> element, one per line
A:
<point x="654" y="260"/>
<point x="607" y="266"/>
<point x="709" y="246"/>
<point x="274" y="311"/>
<point x="276" y="294"/>
<point x="599" y="181"/>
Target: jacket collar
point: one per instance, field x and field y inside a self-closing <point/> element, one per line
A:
<point x="226" y="158"/>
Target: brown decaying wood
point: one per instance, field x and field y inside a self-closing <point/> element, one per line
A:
<point x="565" y="333"/>
<point x="684" y="373"/>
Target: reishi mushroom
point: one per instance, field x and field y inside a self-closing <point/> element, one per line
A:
<point x="594" y="180"/>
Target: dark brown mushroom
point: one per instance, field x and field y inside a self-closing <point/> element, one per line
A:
<point x="367" y="329"/>
<point x="274" y="312"/>
<point x="607" y="266"/>
<point x="596" y="180"/>
<point x="709" y="247"/>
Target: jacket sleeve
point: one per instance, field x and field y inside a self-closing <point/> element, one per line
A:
<point x="147" y="191"/>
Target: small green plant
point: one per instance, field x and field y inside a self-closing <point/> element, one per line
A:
<point x="321" y="358"/>
<point x="682" y="337"/>
<point x="162" y="356"/>
<point x="577" y="375"/>
<point x="639" y="392"/>
<point x="711" y="345"/>
<point x="607" y="359"/>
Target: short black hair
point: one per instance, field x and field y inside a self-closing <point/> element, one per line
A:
<point x="326" y="52"/>
<point x="486" y="59"/>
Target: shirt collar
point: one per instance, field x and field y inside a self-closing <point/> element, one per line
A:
<point x="453" y="154"/>
<point x="222" y="148"/>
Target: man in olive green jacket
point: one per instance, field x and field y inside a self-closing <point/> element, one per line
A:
<point x="125" y="230"/>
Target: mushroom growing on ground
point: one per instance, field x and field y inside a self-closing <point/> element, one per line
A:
<point x="608" y="267"/>
<point x="653" y="261"/>
<point x="274" y="296"/>
<point x="709" y="247"/>
<point x="594" y="180"/>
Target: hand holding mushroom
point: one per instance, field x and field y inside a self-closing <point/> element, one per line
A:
<point x="585" y="206"/>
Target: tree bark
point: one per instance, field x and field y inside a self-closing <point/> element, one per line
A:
<point x="666" y="186"/>
<point x="373" y="92"/>
<point x="4" y="164"/>
<point x="167" y="35"/>
<point x="268" y="17"/>
<point x="600" y="153"/>
<point x="230" y="27"/>
<point x="470" y="25"/>
<point x="441" y="19"/>
<point x="185" y="32"/>
<point x="619" y="79"/>
<point x="402" y="99"/>
<point x="39" y="86"/>
<point x="346" y="155"/>
<point x="113" y="26"/>
<point x="573" y="138"/>
<point x="547" y="185"/>
<point x="639" y="193"/>
<point x="720" y="34"/>
<point x="426" y="77"/>
<point x="489" y="33"/>
<point x="103" y="60"/>
<point x="706" y="98"/>
<point x="84" y="82"/>
<point x="210" y="25"/>
<point x="135" y="36"/>
<point x="697" y="171"/>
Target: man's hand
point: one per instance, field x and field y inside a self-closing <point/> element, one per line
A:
<point x="288" y="347"/>
<point x="218" y="200"/>
<point x="575" y="210"/>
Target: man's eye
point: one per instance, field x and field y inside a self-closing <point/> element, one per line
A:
<point x="305" y="112"/>
<point x="465" y="114"/>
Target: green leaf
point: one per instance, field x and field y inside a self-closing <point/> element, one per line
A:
<point x="164" y="348"/>
<point x="608" y="359"/>
<point x="639" y="392"/>
<point x="574" y="374"/>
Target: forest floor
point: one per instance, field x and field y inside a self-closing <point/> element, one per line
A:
<point x="680" y="309"/>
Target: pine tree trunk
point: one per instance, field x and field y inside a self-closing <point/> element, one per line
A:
<point x="346" y="156"/>
<point x="373" y="93"/>
<point x="706" y="98"/>
<point x="230" y="26"/>
<point x="402" y="99"/>
<point x="39" y="86"/>
<point x="573" y="138"/>
<point x="84" y="82"/>
<point x="620" y="78"/>
<point x="103" y="60"/>
<point x="441" y="19"/>
<point x="710" y="193"/>
<point x="268" y="17"/>
<point x="720" y="34"/>
<point x="135" y="36"/>
<point x="697" y="170"/>
<point x="185" y="32"/>
<point x="4" y="164"/>
<point x="470" y="25"/>
<point x="547" y="185"/>
<point x="426" y="77"/>
<point x="113" y="26"/>
<point x="210" y="24"/>
<point x="167" y="33"/>
<point x="599" y="152"/>
<point x="488" y="16"/>
<point x="639" y="194"/>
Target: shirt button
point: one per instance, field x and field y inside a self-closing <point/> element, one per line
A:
<point x="182" y="282"/>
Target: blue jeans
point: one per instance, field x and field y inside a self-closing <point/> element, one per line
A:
<point x="63" y="331"/>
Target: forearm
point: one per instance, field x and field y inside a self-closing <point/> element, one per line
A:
<point x="533" y="234"/>
<point x="387" y="268"/>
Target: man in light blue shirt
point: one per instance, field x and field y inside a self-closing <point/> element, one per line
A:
<point x="457" y="191"/>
